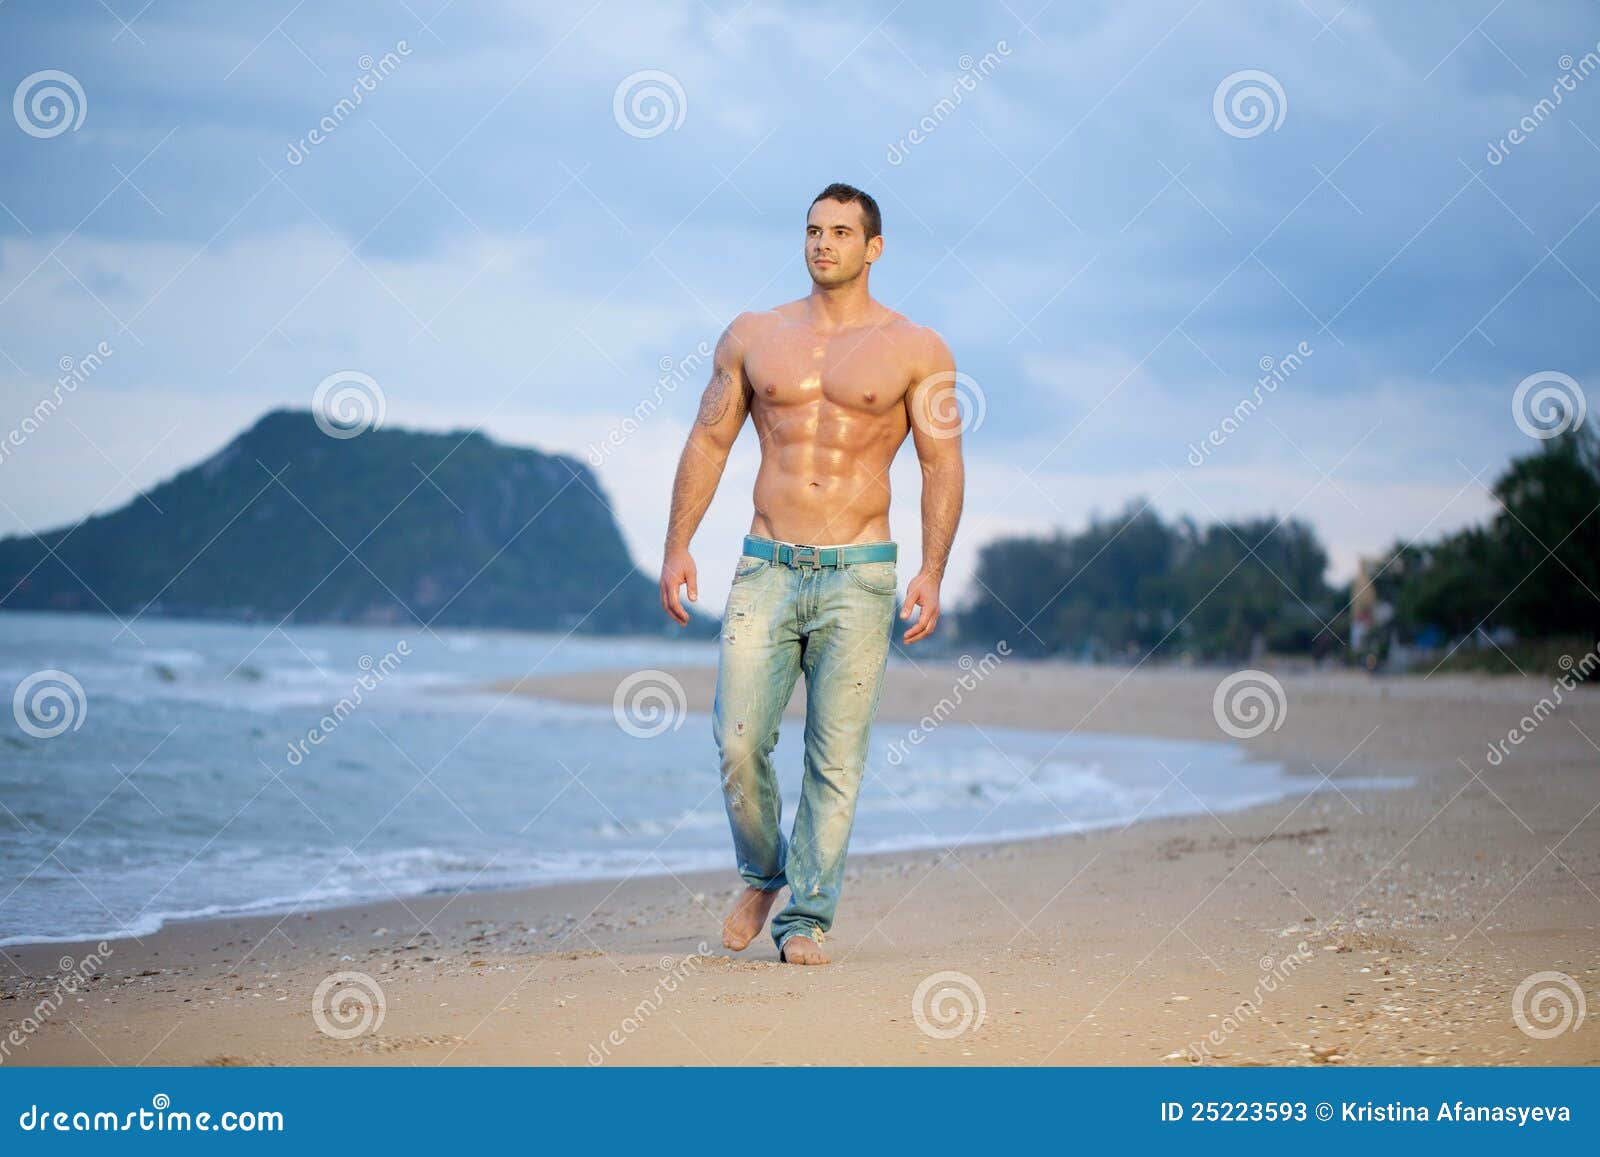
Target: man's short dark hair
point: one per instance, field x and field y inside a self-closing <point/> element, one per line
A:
<point x="870" y="217"/>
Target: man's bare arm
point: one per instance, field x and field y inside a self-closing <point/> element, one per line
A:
<point x="723" y="409"/>
<point x="935" y="416"/>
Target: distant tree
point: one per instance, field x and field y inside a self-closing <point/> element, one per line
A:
<point x="1452" y="584"/>
<point x="1132" y="585"/>
<point x="1530" y="568"/>
<point x="1091" y="594"/>
<point x="1253" y="585"/>
<point x="1548" y="538"/>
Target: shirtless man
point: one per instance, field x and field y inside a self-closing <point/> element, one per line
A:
<point x="833" y="382"/>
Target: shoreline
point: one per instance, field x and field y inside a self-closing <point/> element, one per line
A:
<point x="272" y="910"/>
<point x="1421" y="908"/>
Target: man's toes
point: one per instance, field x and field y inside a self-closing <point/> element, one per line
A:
<point x="802" y="950"/>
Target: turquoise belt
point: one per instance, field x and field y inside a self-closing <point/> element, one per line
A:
<point x="801" y="556"/>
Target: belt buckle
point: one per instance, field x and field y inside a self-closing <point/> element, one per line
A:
<point x="806" y="556"/>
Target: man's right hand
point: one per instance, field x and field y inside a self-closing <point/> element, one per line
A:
<point x="678" y="570"/>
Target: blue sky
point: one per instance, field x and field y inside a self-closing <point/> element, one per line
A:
<point x="1109" y="257"/>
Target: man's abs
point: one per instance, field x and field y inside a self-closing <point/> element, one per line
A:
<point x="829" y="409"/>
<point x="821" y="509"/>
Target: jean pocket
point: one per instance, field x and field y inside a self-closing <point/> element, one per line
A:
<point x="880" y="578"/>
<point x="749" y="566"/>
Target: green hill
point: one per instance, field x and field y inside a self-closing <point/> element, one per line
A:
<point x="392" y="526"/>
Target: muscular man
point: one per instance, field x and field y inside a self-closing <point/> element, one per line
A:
<point x="833" y="383"/>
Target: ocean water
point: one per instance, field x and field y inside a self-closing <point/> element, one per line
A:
<point x="183" y="781"/>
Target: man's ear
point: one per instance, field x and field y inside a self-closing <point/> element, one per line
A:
<point x="875" y="248"/>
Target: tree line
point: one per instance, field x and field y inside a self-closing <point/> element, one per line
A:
<point x="1133" y="585"/>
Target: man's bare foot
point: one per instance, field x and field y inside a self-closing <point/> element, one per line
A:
<point x="802" y="950"/>
<point x="748" y="915"/>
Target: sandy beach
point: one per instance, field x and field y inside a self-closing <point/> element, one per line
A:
<point x="1347" y="928"/>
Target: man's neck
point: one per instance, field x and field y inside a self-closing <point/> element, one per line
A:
<point x="841" y="306"/>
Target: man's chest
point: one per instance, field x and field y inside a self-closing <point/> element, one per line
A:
<point x="856" y="371"/>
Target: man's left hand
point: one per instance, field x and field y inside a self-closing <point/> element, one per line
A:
<point x="923" y="591"/>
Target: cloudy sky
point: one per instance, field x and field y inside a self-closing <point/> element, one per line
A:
<point x="1113" y="246"/>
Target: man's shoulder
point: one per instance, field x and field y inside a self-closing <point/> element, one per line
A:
<point x="921" y="342"/>
<point x="751" y="324"/>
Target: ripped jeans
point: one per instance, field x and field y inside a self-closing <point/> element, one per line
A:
<point x="834" y="624"/>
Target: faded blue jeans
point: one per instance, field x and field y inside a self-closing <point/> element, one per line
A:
<point x="834" y="624"/>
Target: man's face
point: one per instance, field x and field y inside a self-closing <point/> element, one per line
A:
<point x="837" y="249"/>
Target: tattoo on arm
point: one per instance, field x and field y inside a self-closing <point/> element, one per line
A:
<point x="714" y="405"/>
